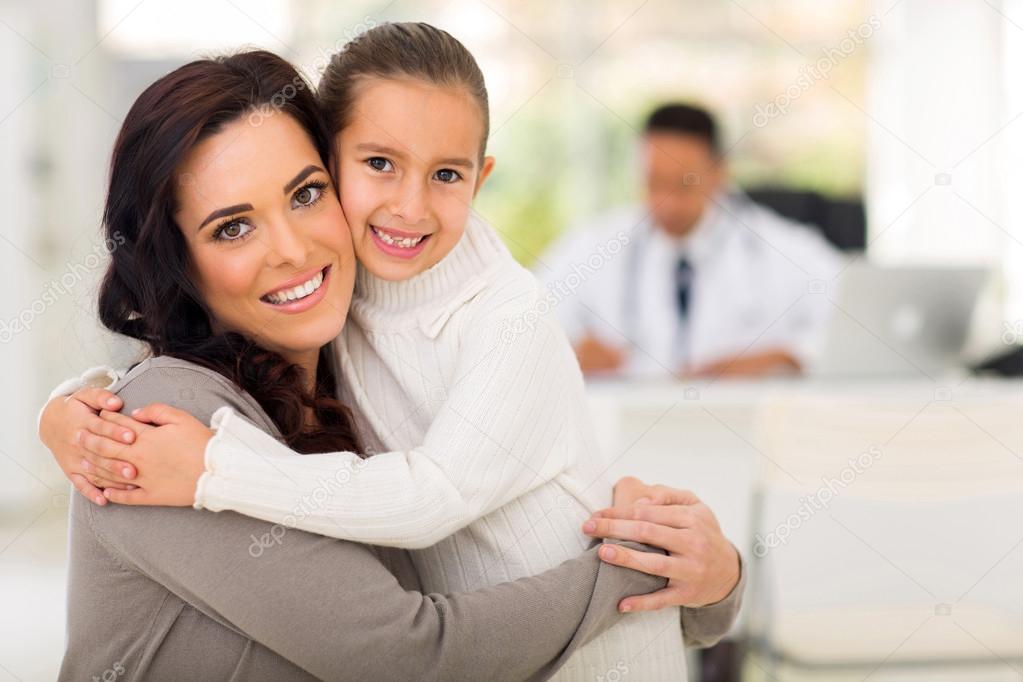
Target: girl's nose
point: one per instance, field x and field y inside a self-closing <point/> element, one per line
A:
<point x="411" y="204"/>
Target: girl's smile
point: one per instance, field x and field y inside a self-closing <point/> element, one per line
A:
<point x="397" y="243"/>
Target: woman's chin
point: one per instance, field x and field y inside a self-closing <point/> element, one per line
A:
<point x="304" y="339"/>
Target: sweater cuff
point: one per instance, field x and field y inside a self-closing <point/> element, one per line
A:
<point x="94" y="377"/>
<point x="218" y="449"/>
<point x="239" y="474"/>
<point x="704" y="626"/>
<point x="204" y="482"/>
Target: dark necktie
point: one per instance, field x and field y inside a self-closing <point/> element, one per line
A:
<point x="683" y="283"/>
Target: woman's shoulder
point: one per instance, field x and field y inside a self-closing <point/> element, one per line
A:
<point x="188" y="386"/>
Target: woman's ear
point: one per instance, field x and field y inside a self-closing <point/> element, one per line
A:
<point x="485" y="170"/>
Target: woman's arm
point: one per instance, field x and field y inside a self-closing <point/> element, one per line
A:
<point x="331" y="607"/>
<point x="513" y="420"/>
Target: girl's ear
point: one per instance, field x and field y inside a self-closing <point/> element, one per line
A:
<point x="485" y="169"/>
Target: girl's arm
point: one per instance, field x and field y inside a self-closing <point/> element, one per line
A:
<point x="514" y="418"/>
<point x="332" y="607"/>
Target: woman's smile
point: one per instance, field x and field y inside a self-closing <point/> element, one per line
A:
<point x="299" y="294"/>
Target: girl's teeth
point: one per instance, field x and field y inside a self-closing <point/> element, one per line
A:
<point x="403" y="243"/>
<point x="295" y="293"/>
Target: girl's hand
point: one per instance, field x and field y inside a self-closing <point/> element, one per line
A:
<point x="118" y="431"/>
<point x="169" y="457"/>
<point x="702" y="566"/>
<point x="63" y="418"/>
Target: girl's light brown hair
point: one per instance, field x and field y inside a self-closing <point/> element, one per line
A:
<point x="400" y="50"/>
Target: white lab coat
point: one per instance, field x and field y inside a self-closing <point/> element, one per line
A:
<point x="759" y="282"/>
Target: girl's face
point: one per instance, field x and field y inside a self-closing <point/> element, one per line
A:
<point x="268" y="242"/>
<point x="409" y="169"/>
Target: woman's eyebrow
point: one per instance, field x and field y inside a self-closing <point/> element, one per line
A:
<point x="221" y="212"/>
<point x="302" y="175"/>
<point x="238" y="208"/>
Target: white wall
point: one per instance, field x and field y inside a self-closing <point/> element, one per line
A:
<point x="23" y="77"/>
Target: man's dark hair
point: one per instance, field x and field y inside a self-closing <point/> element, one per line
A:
<point x="684" y="119"/>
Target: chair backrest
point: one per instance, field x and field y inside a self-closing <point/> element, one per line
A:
<point x="842" y="221"/>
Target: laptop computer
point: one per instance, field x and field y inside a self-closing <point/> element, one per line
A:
<point x="898" y="321"/>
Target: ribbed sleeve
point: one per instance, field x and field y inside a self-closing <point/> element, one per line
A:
<point x="506" y="427"/>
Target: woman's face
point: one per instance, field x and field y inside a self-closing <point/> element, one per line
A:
<point x="270" y="248"/>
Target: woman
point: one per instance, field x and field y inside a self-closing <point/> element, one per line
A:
<point x="163" y="592"/>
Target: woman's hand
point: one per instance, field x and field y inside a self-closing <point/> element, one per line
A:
<point x="702" y="566"/>
<point x="168" y="453"/>
<point x="63" y="420"/>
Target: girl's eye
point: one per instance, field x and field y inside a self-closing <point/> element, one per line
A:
<point x="232" y="231"/>
<point x="447" y="176"/>
<point x="378" y="163"/>
<point x="308" y="194"/>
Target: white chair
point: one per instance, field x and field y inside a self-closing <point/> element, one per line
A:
<point x="906" y="559"/>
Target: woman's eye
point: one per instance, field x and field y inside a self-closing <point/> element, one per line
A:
<point x="378" y="163"/>
<point x="446" y="175"/>
<point x="308" y="195"/>
<point x="233" y="231"/>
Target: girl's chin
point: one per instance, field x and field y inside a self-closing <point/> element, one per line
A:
<point x="396" y="270"/>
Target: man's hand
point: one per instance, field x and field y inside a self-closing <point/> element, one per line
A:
<point x="63" y="421"/>
<point x="702" y="566"/>
<point x="767" y="363"/>
<point x="596" y="356"/>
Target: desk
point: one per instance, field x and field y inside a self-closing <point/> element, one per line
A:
<point x="706" y="438"/>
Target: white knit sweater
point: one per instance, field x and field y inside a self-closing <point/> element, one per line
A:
<point x="484" y="458"/>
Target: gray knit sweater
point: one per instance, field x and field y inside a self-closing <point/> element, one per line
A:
<point x="162" y="593"/>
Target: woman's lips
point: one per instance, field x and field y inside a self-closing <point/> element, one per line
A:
<point x="303" y="304"/>
<point x="295" y="281"/>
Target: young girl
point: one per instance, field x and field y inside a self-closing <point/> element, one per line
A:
<point x="487" y="463"/>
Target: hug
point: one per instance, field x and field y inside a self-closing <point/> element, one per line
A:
<point x="326" y="364"/>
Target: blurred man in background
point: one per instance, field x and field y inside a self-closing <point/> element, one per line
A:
<point x="699" y="280"/>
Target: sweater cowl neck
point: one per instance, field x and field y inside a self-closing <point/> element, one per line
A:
<point x="478" y="251"/>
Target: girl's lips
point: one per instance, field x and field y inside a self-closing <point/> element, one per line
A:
<point x="398" y="251"/>
<point x="304" y="304"/>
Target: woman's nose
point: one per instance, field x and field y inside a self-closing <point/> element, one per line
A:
<point x="287" y="244"/>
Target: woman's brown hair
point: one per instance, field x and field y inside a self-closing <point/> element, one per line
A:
<point x="148" y="292"/>
<point x="402" y="50"/>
